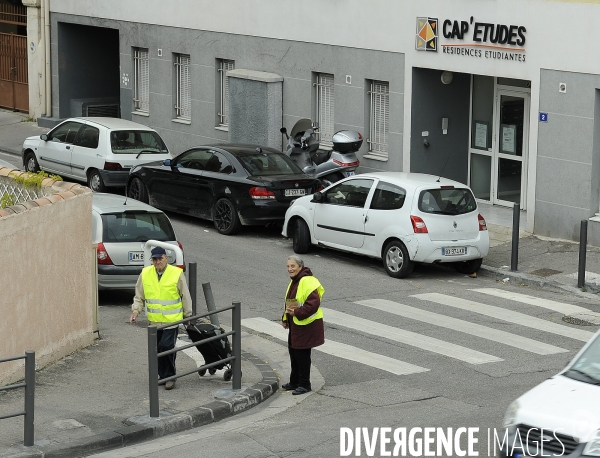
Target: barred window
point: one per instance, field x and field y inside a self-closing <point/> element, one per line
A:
<point x="141" y="80"/>
<point x="183" y="107"/>
<point x="325" y="107"/>
<point x="224" y="67"/>
<point x="379" y="118"/>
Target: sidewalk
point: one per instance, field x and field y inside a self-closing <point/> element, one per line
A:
<point x="97" y="398"/>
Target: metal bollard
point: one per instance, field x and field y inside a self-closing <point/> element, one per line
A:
<point x="193" y="282"/>
<point x="582" y="253"/>
<point x="153" y="371"/>
<point x="236" y="326"/>
<point x="514" y="255"/>
<point x="210" y="304"/>
<point x="28" y="438"/>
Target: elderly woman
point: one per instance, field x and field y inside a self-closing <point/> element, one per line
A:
<point x="303" y="317"/>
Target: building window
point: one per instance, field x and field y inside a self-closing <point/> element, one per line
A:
<point x="224" y="67"/>
<point x="379" y="117"/>
<point x="325" y="107"/>
<point x="183" y="107"/>
<point x="141" y="80"/>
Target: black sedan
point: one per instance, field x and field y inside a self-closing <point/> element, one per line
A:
<point x="231" y="185"/>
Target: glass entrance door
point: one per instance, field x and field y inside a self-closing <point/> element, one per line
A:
<point x="510" y="147"/>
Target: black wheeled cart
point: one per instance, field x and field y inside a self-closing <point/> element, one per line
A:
<point x="212" y="351"/>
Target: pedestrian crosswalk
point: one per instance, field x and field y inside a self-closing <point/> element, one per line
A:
<point x="442" y="345"/>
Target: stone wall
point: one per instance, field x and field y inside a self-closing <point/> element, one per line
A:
<point x="48" y="277"/>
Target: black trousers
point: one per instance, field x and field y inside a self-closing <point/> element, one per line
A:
<point x="300" y="361"/>
<point x="166" y="339"/>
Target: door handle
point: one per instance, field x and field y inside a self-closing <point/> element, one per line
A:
<point x="366" y="218"/>
<point x="68" y="147"/>
<point x="13" y="69"/>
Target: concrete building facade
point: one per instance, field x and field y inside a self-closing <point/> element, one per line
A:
<point x="501" y="95"/>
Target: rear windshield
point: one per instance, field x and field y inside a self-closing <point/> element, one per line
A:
<point x="447" y="201"/>
<point x="136" y="141"/>
<point x="257" y="164"/>
<point x="136" y="227"/>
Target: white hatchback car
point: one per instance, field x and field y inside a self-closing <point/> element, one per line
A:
<point x="399" y="217"/>
<point x="97" y="151"/>
<point x="121" y="226"/>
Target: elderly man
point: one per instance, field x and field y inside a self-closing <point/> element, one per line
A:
<point x="164" y="290"/>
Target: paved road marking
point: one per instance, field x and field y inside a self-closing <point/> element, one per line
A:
<point x="507" y="315"/>
<point x="338" y="349"/>
<point x="410" y="338"/>
<point x="561" y="307"/>
<point x="496" y="335"/>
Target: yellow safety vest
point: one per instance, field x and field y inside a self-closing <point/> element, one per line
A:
<point x="305" y="287"/>
<point x="162" y="297"/>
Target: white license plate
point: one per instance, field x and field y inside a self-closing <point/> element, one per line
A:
<point x="294" y="192"/>
<point x="456" y="251"/>
<point x="136" y="256"/>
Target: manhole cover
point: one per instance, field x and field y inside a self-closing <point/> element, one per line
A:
<point x="545" y="272"/>
<point x="583" y="319"/>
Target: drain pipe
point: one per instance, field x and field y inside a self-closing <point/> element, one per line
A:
<point x="48" y="72"/>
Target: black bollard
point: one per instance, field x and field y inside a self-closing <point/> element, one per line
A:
<point x="582" y="251"/>
<point x="514" y="255"/>
<point x="193" y="281"/>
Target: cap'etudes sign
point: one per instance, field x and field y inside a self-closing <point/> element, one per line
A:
<point x="472" y="38"/>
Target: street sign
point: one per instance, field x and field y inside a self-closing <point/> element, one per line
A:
<point x="543" y="117"/>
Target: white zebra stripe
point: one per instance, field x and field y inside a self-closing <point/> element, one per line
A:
<point x="561" y="307"/>
<point x="338" y="349"/>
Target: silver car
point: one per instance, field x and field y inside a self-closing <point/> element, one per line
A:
<point x="121" y="227"/>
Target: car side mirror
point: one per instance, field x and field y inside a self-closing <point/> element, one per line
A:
<point x="317" y="197"/>
<point x="44" y="137"/>
<point x="167" y="163"/>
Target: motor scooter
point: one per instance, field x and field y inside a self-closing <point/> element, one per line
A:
<point x="327" y="165"/>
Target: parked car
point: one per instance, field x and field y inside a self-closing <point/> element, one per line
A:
<point x="121" y="227"/>
<point x="562" y="414"/>
<point x="401" y="218"/>
<point x="97" y="151"/>
<point x="231" y="185"/>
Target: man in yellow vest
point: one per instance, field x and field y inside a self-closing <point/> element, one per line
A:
<point x="164" y="290"/>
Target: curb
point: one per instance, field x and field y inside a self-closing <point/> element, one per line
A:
<point x="168" y="424"/>
<point x="521" y="277"/>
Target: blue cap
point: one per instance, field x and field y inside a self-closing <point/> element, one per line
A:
<point x="158" y="252"/>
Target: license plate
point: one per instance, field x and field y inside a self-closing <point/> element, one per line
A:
<point x="136" y="256"/>
<point x="454" y="251"/>
<point x="294" y="192"/>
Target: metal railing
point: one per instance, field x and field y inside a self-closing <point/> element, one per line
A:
<point x="29" y="385"/>
<point x="153" y="355"/>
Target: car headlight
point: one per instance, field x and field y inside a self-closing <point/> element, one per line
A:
<point x="511" y="415"/>
<point x="592" y="448"/>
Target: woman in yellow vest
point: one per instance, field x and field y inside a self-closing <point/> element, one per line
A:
<point x="303" y="317"/>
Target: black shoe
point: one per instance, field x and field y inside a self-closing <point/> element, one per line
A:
<point x="202" y="372"/>
<point x="212" y="371"/>
<point x="300" y="390"/>
<point x="289" y="387"/>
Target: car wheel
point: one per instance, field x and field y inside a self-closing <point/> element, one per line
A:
<point x="468" y="267"/>
<point x="301" y="238"/>
<point x="95" y="182"/>
<point x="396" y="261"/>
<point x="31" y="163"/>
<point x="328" y="180"/>
<point x="137" y="190"/>
<point x="226" y="219"/>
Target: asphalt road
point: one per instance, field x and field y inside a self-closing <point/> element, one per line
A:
<point x="465" y="378"/>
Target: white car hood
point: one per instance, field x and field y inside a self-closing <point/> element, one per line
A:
<point x="569" y="406"/>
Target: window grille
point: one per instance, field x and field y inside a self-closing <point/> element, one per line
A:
<point x="141" y="80"/>
<point x="224" y="67"/>
<point x="183" y="107"/>
<point x="325" y="107"/>
<point x="379" y="118"/>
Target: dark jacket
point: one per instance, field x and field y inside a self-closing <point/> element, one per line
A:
<point x="309" y="335"/>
